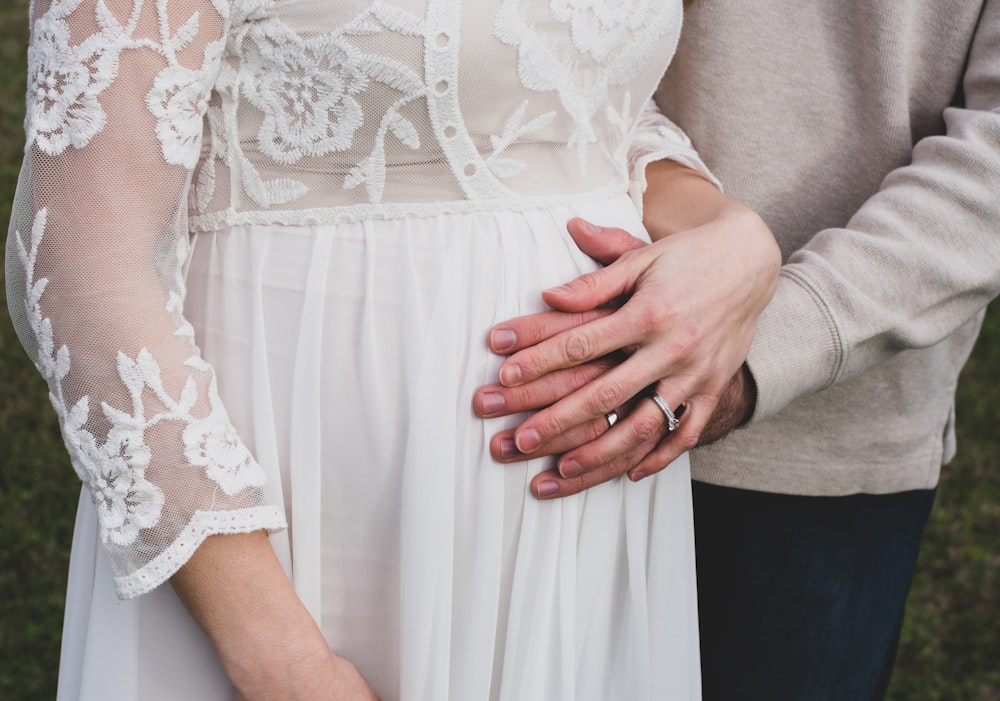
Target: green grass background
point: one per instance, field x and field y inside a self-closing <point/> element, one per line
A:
<point x="951" y="640"/>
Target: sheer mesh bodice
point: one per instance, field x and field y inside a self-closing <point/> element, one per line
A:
<point x="149" y="120"/>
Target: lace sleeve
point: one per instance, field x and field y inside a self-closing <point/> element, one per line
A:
<point x="117" y="93"/>
<point x="657" y="138"/>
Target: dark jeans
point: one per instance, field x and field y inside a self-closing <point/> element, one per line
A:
<point x="801" y="598"/>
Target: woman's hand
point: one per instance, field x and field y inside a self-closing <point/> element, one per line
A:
<point x="319" y="677"/>
<point x="692" y="299"/>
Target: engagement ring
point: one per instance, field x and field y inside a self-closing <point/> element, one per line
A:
<point x="672" y="421"/>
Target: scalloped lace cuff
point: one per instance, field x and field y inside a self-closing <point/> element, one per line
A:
<point x="202" y="525"/>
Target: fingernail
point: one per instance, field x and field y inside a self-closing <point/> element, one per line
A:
<point x="528" y="440"/>
<point x="561" y="290"/>
<point x="570" y="468"/>
<point x="492" y="403"/>
<point x="508" y="448"/>
<point x="546" y="488"/>
<point x="590" y="227"/>
<point x="502" y="339"/>
<point x="510" y="375"/>
<point x="637" y="475"/>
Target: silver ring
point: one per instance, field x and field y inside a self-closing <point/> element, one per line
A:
<point x="672" y="421"/>
<point x="612" y="418"/>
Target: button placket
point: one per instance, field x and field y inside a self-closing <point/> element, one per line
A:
<point x="441" y="66"/>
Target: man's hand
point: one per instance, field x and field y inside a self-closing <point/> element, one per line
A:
<point x="692" y="300"/>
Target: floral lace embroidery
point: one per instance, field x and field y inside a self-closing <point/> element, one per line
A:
<point x="64" y="81"/>
<point x="115" y="471"/>
<point x="619" y="37"/>
<point x="601" y="28"/>
<point x="513" y="130"/>
<point x="306" y="90"/>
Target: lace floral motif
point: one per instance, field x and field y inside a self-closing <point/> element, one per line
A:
<point x="179" y="100"/>
<point x="115" y="471"/>
<point x="204" y="186"/>
<point x="65" y="81"/>
<point x="213" y="443"/>
<point x="619" y="37"/>
<point x="502" y="166"/>
<point x="306" y="90"/>
<point x="602" y="28"/>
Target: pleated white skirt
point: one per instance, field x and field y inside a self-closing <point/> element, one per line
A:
<point x="348" y="355"/>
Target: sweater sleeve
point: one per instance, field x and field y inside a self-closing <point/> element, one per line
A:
<point x="94" y="269"/>
<point x="656" y="138"/>
<point x="919" y="259"/>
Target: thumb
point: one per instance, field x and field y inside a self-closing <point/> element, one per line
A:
<point x="603" y="244"/>
<point x="590" y="290"/>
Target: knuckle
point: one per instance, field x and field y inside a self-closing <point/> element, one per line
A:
<point x="524" y="397"/>
<point x="653" y="318"/>
<point x="688" y="440"/>
<point x="578" y="484"/>
<point x="576" y="347"/>
<point x="606" y="397"/>
<point x="549" y="426"/>
<point x="597" y="460"/>
<point x="549" y="388"/>
<point x="532" y="365"/>
<point x="538" y="328"/>
<point x="595" y="429"/>
<point x="646" y="428"/>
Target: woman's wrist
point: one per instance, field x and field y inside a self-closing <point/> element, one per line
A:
<point x="276" y="651"/>
<point x="236" y="590"/>
<point x="678" y="198"/>
<point x="278" y="671"/>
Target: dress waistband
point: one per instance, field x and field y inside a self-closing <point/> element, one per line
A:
<point x="390" y="211"/>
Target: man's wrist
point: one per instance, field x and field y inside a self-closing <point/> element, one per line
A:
<point x="734" y="409"/>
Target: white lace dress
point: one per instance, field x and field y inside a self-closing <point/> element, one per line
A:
<point x="255" y="252"/>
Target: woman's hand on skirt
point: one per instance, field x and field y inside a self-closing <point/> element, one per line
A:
<point x="691" y="301"/>
<point x="324" y="677"/>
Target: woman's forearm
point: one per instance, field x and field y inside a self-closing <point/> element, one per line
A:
<point x="236" y="590"/>
<point x="678" y="198"/>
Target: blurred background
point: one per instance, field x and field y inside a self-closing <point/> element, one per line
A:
<point x="951" y="640"/>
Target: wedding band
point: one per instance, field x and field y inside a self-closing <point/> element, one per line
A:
<point x="672" y="422"/>
<point x="612" y="417"/>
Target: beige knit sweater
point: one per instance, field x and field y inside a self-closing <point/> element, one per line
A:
<point x="867" y="134"/>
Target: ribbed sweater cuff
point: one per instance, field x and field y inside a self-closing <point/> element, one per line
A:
<point x="796" y="349"/>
